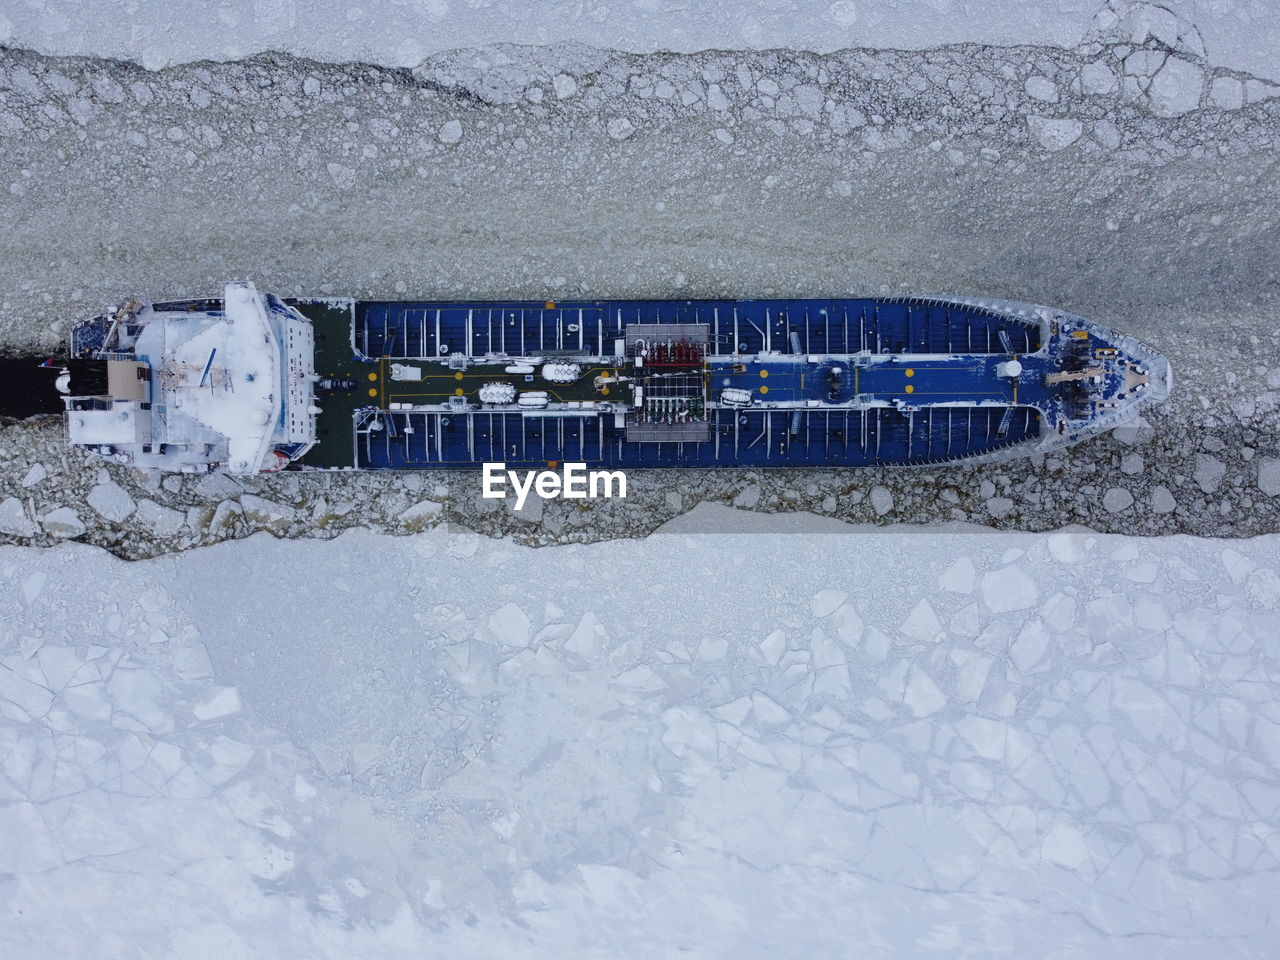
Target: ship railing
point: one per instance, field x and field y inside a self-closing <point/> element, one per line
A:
<point x="987" y="312"/>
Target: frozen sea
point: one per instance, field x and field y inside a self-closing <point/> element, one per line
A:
<point x="741" y="745"/>
<point x="798" y="739"/>
<point x="1239" y="33"/>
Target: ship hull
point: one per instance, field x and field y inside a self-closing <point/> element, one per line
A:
<point x="248" y="383"/>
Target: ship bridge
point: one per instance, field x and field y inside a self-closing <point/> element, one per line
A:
<point x="194" y="385"/>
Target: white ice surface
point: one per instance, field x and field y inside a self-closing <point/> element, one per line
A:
<point x="1241" y="34"/>
<point x="747" y="745"/>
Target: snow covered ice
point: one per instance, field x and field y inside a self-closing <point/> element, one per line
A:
<point x="157" y="33"/>
<point x="990" y="743"/>
<point x="267" y="727"/>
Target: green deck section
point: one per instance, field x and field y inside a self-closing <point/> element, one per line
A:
<point x="331" y="322"/>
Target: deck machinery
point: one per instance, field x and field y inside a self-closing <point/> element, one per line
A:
<point x="249" y="382"/>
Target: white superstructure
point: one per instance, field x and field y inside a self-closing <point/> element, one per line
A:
<point x="195" y="385"/>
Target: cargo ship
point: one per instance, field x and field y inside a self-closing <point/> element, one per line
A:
<point x="251" y="382"/>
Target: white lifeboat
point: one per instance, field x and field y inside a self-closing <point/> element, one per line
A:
<point x="561" y="372"/>
<point x="273" y="461"/>
<point x="497" y="393"/>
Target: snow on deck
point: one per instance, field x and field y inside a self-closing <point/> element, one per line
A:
<point x="227" y="377"/>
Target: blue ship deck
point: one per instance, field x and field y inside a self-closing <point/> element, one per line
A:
<point x="749" y="438"/>
<point x="911" y="325"/>
<point x="917" y="353"/>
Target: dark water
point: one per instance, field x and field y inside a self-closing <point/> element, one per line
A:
<point x="26" y="388"/>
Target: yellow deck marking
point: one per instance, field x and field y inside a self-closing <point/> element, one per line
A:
<point x="910" y="372"/>
<point x="373" y="392"/>
<point x="910" y="388"/>
<point x="373" y="376"/>
<point x="764" y="374"/>
<point x="763" y="388"/>
<point x="457" y="392"/>
<point x="457" y="376"/>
